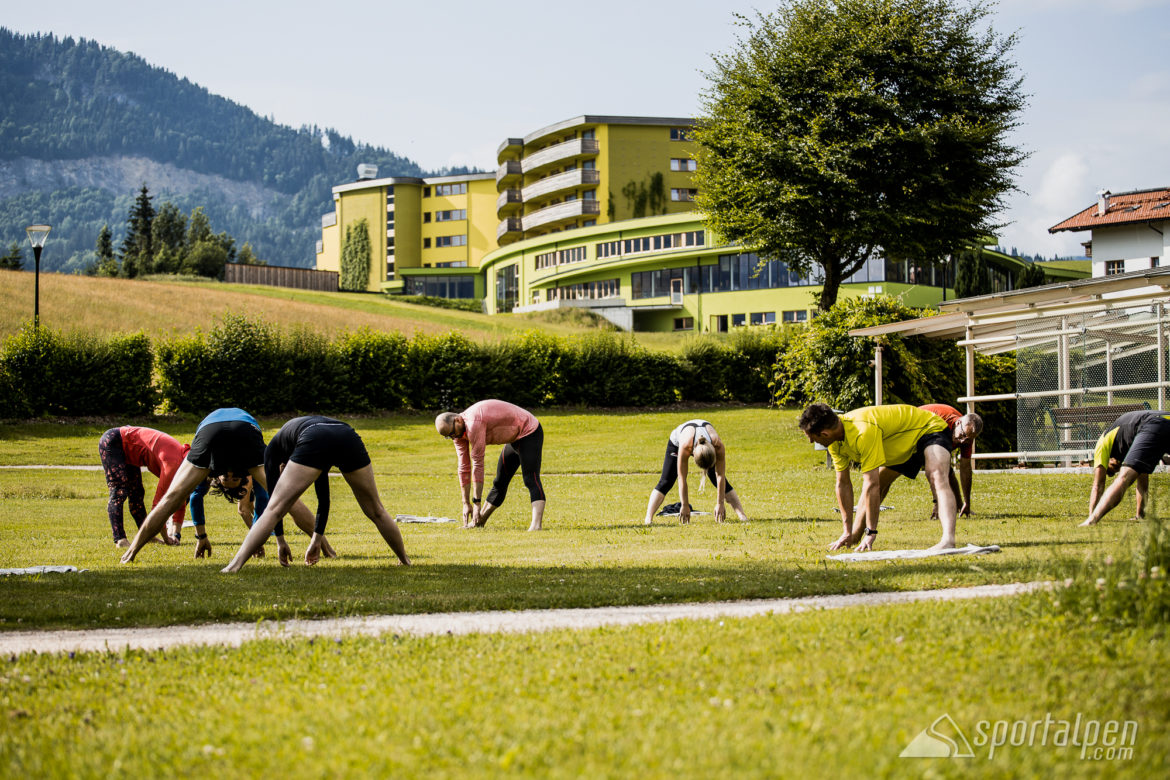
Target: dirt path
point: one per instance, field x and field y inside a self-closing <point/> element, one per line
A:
<point x="234" y="634"/>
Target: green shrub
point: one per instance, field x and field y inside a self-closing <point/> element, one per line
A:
<point x="444" y="372"/>
<point x="372" y="369"/>
<point x="525" y="370"/>
<point x="460" y="304"/>
<point x="604" y="369"/>
<point x="45" y="372"/>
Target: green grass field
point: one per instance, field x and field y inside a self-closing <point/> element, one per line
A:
<point x="824" y="694"/>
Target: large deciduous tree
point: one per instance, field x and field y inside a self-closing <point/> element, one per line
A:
<point x="839" y="129"/>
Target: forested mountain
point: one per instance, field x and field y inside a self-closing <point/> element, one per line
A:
<point x="83" y="127"/>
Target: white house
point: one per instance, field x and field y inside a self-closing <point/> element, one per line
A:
<point x="1128" y="230"/>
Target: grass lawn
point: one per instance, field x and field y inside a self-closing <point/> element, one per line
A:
<point x="164" y="308"/>
<point x="598" y="472"/>
<point x="823" y="694"/>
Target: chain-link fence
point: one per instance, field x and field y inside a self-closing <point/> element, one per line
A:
<point x="1076" y="373"/>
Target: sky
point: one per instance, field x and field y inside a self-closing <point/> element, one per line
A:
<point x="444" y="83"/>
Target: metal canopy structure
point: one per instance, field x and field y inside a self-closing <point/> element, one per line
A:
<point x="1081" y="346"/>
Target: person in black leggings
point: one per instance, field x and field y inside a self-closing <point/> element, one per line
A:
<point x="697" y="439"/>
<point x="301" y="454"/>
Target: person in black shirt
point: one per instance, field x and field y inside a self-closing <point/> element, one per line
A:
<point x="1131" y="450"/>
<point x="301" y="454"/>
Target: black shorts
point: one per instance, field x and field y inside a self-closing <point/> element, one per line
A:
<point x="1149" y="445"/>
<point x="911" y="467"/>
<point x="232" y="445"/>
<point x="324" y="445"/>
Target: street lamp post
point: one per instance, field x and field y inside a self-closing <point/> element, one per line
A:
<point x="36" y="236"/>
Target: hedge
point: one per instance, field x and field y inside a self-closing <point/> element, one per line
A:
<point x="45" y="372"/>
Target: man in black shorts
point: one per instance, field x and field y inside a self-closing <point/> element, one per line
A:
<point x="301" y="454"/>
<point x="228" y="444"/>
<point x="1130" y="449"/>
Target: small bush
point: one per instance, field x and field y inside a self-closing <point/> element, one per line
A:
<point x="459" y="304"/>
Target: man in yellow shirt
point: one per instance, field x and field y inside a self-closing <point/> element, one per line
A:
<point x="877" y="436"/>
<point x="1131" y="449"/>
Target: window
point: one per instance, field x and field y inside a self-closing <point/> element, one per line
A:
<point x="443" y="190"/>
<point x="560" y="257"/>
<point x="738" y="320"/>
<point x="507" y="288"/>
<point x="800" y="315"/>
<point x="1114" y="267"/>
<point x="633" y="246"/>
<point x="426" y="216"/>
<point x="450" y="216"/>
<point x="444" y="241"/>
<point x="763" y="318"/>
<point x="1154" y="262"/>
<point x="589" y="135"/>
<point x="454" y="264"/>
<point x="683" y="195"/>
<point x="426" y="192"/>
<point x="680" y="133"/>
<point x="684" y="323"/>
<point x="682" y="164"/>
<point x="426" y="243"/>
<point x="719" y="323"/>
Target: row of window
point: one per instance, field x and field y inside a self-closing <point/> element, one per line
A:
<point x="1114" y="267"/>
<point x="444" y="241"/>
<point x="682" y="164"/>
<point x="441" y="286"/>
<point x="591" y="291"/>
<point x="443" y="190"/>
<point x="633" y="246"/>
<point x="446" y="216"/>
<point x="560" y="257"/>
<point x="720" y="322"/>
<point x="683" y="194"/>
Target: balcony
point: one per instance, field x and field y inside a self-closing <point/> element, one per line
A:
<point x="510" y="229"/>
<point x="509" y="202"/>
<point x="509" y="172"/>
<point x="578" y="147"/>
<point x="569" y="180"/>
<point x="510" y="149"/>
<point x="561" y="212"/>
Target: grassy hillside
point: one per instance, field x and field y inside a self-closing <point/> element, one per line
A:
<point x="162" y="308"/>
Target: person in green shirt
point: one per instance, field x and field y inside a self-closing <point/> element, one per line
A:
<point x="1131" y="450"/>
<point x="895" y="435"/>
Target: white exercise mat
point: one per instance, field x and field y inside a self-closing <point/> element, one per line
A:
<point x="422" y="519"/>
<point x="898" y="555"/>
<point x="41" y="570"/>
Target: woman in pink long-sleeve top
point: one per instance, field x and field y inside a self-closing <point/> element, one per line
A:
<point x="495" y="422"/>
<point x="123" y="452"/>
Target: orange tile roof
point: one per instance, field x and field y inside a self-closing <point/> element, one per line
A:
<point x="1125" y="208"/>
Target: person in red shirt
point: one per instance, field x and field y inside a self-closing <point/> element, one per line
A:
<point x="124" y="451"/>
<point x="495" y="422"/>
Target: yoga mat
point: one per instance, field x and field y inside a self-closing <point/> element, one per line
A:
<point x="899" y="555"/>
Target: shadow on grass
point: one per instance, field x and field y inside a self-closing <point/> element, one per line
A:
<point x="155" y="596"/>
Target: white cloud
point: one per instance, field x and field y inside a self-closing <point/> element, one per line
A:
<point x="1062" y="184"/>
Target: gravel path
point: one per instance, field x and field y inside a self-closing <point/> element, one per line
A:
<point x="522" y="621"/>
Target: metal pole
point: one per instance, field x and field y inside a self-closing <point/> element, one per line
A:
<point x="37" y="287"/>
<point x="877" y="374"/>
<point x="970" y="349"/>
<point x="1160" y="308"/>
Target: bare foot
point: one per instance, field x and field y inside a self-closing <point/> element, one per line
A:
<point x="535" y="527"/>
<point x="123" y="542"/>
<point x="944" y="545"/>
<point x="1087" y="523"/>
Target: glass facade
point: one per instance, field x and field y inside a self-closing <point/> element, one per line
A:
<point x="441" y="286"/>
<point x="507" y="288"/>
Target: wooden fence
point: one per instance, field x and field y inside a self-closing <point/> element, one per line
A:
<point x="281" y="276"/>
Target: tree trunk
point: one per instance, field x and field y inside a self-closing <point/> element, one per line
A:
<point x="828" y="295"/>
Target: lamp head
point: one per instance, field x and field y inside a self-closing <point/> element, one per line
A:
<point x="37" y="234"/>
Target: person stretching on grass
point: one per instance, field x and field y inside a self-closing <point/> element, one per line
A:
<point x="877" y="436"/>
<point x="1130" y="449"/>
<point x="697" y="439"/>
<point x="227" y="444"/>
<point x="495" y="422"/>
<point x="964" y="428"/>
<point x="124" y="451"/>
<point x="301" y="454"/>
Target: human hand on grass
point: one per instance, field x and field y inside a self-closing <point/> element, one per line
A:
<point x="202" y="547"/>
<point x="467" y="515"/>
<point x="720" y="512"/>
<point x="313" y="551"/>
<point x="866" y="543"/>
<point x="845" y="540"/>
<point x="171" y="534"/>
<point x="327" y="549"/>
<point x="684" y="514"/>
<point x="283" y="551"/>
